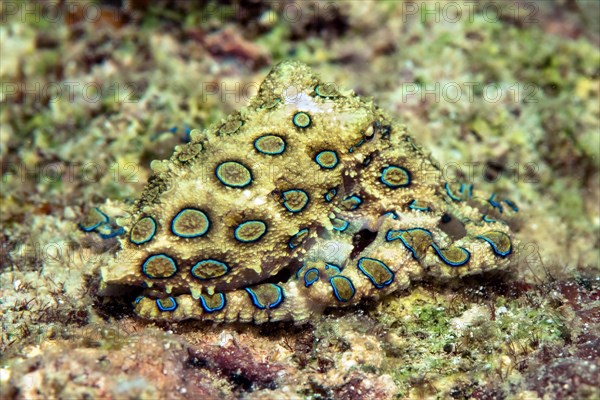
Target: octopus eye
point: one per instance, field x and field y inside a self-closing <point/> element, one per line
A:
<point x="234" y="174"/>
<point x="343" y="289"/>
<point x="190" y="223"/>
<point x="378" y="273"/>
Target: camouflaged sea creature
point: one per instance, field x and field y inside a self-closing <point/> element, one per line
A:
<point x="309" y="197"/>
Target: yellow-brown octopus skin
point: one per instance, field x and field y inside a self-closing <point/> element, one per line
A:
<point x="309" y="197"/>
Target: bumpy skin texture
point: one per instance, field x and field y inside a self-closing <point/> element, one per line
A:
<point x="309" y="197"/>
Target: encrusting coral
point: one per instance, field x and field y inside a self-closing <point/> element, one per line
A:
<point x="307" y="198"/>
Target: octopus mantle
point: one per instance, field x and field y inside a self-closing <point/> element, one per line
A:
<point x="307" y="198"/>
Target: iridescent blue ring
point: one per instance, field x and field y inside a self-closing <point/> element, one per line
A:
<point x="300" y="232"/>
<point x="320" y="155"/>
<point x="258" y="305"/>
<point x="331" y="193"/>
<point x="385" y="170"/>
<point x="357" y="203"/>
<point x="161" y="307"/>
<point x="451" y="263"/>
<point x="192" y="235"/>
<point x="236" y="234"/>
<point x="495" y="247"/>
<point x="307" y="281"/>
<point x="299" y="124"/>
<point x="335" y="291"/>
<point x="269" y="153"/>
<point x="295" y="191"/>
<point x="209" y="309"/>
<point x="161" y="255"/>
<point x="371" y="278"/>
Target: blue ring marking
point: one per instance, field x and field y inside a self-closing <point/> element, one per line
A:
<point x="360" y="143"/>
<point x="194" y="235"/>
<point x="318" y="93"/>
<point x="343" y="228"/>
<point x="299" y="114"/>
<point x="299" y="271"/>
<point x="330" y="194"/>
<point x="335" y="291"/>
<point x="413" y="206"/>
<point x="511" y="204"/>
<point x="149" y="236"/>
<point x="452" y="264"/>
<point x="494" y="203"/>
<point x="163" y="308"/>
<point x="301" y="231"/>
<point x="94" y="226"/>
<point x="353" y="197"/>
<point x="273" y="103"/>
<point x="371" y="278"/>
<point x="391" y="214"/>
<point x="298" y="191"/>
<point x="235" y="233"/>
<point x="326" y="152"/>
<point x="404" y="242"/>
<point x="469" y="190"/>
<point x="270" y="153"/>
<point x="161" y="255"/>
<point x="485" y="218"/>
<point x="138" y="299"/>
<point x="391" y="185"/>
<point x="270" y="306"/>
<point x="211" y="310"/>
<point x="110" y="232"/>
<point x="209" y="260"/>
<point x="334" y="267"/>
<point x="495" y="248"/>
<point x="309" y="282"/>
<point x="449" y="192"/>
<point x="234" y="185"/>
